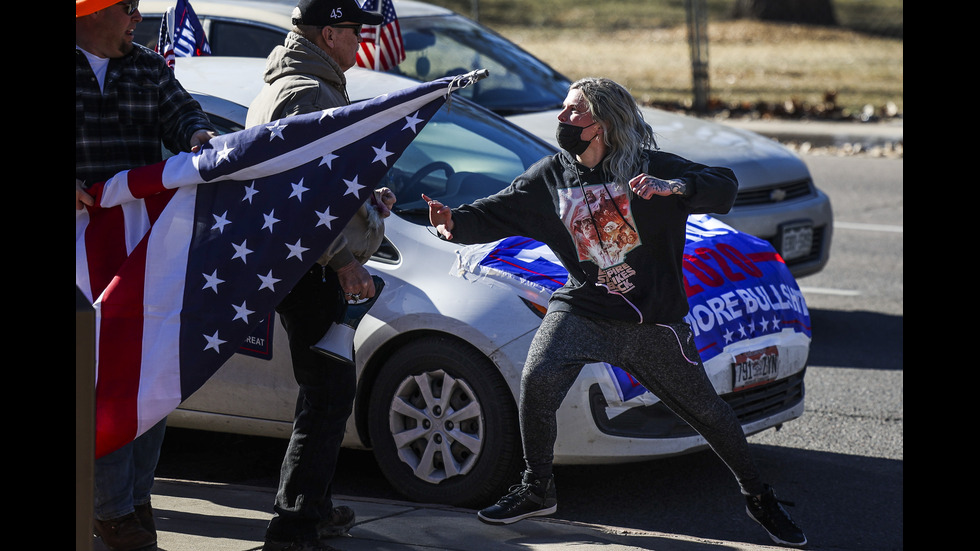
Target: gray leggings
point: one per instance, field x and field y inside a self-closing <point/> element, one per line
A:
<point x="663" y="358"/>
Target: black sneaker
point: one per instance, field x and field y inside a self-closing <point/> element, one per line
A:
<point x="530" y="498"/>
<point x="341" y="520"/>
<point x="767" y="511"/>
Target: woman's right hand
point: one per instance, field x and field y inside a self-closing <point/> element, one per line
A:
<point x="440" y="216"/>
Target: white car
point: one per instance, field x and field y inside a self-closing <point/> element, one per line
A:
<point x="439" y="356"/>
<point x="777" y="200"/>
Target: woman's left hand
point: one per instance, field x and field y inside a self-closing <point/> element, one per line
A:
<point x="647" y="186"/>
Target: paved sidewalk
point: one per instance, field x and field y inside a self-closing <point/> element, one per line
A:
<point x="196" y="516"/>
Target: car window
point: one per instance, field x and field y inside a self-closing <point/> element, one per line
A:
<point x="225" y="37"/>
<point x="462" y="154"/>
<point x="446" y="45"/>
<point x="435" y="46"/>
<point x="232" y="38"/>
<point x="147" y="32"/>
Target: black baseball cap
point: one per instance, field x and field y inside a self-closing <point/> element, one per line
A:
<point x="323" y="13"/>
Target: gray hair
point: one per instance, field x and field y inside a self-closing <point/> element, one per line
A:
<point x="626" y="134"/>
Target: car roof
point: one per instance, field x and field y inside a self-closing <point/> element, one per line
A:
<point x="223" y="77"/>
<point x="276" y="13"/>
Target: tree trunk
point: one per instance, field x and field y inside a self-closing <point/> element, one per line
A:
<point x="808" y="12"/>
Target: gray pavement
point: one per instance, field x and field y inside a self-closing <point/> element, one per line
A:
<point x="196" y="516"/>
<point x="826" y="133"/>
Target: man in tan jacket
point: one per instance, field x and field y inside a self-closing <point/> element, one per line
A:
<point x="305" y="75"/>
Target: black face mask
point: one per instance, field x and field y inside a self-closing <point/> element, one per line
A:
<point x="570" y="138"/>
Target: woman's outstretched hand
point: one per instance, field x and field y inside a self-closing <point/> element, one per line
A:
<point x="440" y="216"/>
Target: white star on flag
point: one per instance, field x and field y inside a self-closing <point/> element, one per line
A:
<point x="381" y="155"/>
<point x="296" y="250"/>
<point x="242" y="312"/>
<point x="353" y="188"/>
<point x="220" y="221"/>
<point x="275" y="129"/>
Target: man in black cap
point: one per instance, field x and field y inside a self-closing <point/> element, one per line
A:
<point x="304" y="75"/>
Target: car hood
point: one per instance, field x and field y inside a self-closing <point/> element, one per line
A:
<point x="756" y="160"/>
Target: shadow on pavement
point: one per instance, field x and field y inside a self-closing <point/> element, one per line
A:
<point x="856" y="339"/>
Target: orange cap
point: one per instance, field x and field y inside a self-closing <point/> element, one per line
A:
<point x="86" y="7"/>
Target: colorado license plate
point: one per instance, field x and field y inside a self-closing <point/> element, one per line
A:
<point x="797" y="240"/>
<point x="755" y="368"/>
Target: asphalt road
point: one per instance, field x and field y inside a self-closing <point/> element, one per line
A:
<point x="842" y="462"/>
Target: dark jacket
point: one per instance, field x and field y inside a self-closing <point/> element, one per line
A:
<point x="623" y="253"/>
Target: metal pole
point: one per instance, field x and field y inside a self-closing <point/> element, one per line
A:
<point x="697" y="37"/>
<point x="84" y="420"/>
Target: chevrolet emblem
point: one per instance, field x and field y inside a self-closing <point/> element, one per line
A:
<point x="777" y="195"/>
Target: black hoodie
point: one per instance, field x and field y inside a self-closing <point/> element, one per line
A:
<point x="623" y="253"/>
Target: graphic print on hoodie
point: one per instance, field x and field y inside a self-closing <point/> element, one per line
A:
<point x="600" y="221"/>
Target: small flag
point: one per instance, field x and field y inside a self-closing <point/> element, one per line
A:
<point x="165" y="42"/>
<point x="188" y="34"/>
<point x="381" y="45"/>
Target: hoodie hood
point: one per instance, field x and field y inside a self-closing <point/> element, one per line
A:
<point x="299" y="56"/>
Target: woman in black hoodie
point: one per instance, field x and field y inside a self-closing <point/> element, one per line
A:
<point x="613" y="208"/>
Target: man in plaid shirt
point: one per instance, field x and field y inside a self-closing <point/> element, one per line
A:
<point x="126" y="97"/>
<point x="126" y="102"/>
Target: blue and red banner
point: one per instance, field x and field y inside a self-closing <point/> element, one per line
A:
<point x="738" y="287"/>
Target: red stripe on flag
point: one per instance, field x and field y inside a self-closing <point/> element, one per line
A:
<point x="364" y="56"/>
<point x="121" y="327"/>
<point x="146" y="180"/>
<point x="121" y="311"/>
<point x="156" y="203"/>
<point x="105" y="246"/>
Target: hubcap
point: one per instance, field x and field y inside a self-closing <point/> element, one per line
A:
<point x="437" y="424"/>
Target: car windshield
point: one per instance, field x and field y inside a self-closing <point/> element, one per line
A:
<point x="462" y="154"/>
<point x="438" y="46"/>
<point x="435" y="46"/>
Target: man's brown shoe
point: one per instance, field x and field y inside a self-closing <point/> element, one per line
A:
<point x="341" y="520"/>
<point x="124" y="534"/>
<point x="145" y="515"/>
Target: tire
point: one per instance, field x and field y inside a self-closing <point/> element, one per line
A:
<point x="413" y="427"/>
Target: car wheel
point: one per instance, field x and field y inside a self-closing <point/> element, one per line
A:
<point x="443" y="424"/>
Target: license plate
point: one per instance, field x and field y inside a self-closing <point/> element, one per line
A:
<point x="755" y="368"/>
<point x="797" y="240"/>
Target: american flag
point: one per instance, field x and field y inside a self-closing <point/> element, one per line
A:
<point x="381" y="45"/>
<point x="165" y="40"/>
<point x="180" y="274"/>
